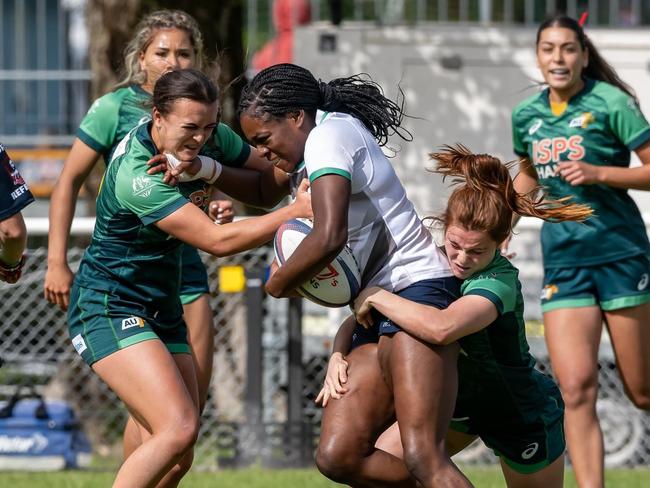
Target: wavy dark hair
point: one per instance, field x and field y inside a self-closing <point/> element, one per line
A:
<point x="284" y="89"/>
<point x="598" y="68"/>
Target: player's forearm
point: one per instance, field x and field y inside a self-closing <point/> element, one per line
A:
<point x="256" y="188"/>
<point x="422" y="321"/>
<point x="315" y="252"/>
<point x="13" y="239"/>
<point x="626" y="178"/>
<point x="62" y="207"/>
<point x="247" y="234"/>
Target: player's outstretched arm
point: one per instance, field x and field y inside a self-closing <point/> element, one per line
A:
<point x="259" y="183"/>
<point x="465" y="316"/>
<point x="77" y="167"/>
<point x="191" y="225"/>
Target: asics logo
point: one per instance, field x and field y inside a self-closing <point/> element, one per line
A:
<point x="643" y="282"/>
<point x="531" y="450"/>
<point x="533" y="128"/>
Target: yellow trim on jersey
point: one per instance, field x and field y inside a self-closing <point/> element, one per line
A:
<point x="558" y="108"/>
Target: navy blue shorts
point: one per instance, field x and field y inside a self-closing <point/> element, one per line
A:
<point x="437" y="292"/>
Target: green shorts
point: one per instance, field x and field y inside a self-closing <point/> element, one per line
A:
<point x="611" y="286"/>
<point x="194" y="276"/>
<point x="527" y="443"/>
<point x="99" y="324"/>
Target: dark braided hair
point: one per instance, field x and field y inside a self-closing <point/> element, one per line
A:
<point x="284" y="89"/>
<point x="598" y="68"/>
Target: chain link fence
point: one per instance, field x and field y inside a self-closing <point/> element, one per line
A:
<point x="260" y="407"/>
<point x="35" y="346"/>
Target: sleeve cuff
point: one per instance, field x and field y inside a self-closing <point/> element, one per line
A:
<point x="329" y="171"/>
<point x="493" y="297"/>
<point x="639" y="140"/>
<point x="90" y="142"/>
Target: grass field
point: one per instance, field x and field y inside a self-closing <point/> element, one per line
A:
<point x="258" y="478"/>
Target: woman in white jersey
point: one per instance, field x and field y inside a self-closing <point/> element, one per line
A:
<point x="333" y="132"/>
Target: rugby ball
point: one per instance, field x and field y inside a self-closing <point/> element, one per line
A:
<point x="337" y="284"/>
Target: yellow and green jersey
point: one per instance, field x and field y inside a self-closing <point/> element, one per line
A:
<point x="495" y="367"/>
<point x="601" y="125"/>
<point x="129" y="258"/>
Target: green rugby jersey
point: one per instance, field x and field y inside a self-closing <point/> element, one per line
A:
<point x="113" y="115"/>
<point x="129" y="258"/>
<point x="600" y="126"/>
<point x="495" y="362"/>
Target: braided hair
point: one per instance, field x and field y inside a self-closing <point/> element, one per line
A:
<point x="485" y="199"/>
<point x="284" y="89"/>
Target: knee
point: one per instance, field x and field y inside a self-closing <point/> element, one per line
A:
<point x="336" y="462"/>
<point x="183" y="435"/>
<point x="421" y="455"/>
<point x="578" y="392"/>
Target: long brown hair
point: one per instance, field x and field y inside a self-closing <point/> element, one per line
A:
<point x="486" y="198"/>
<point x="597" y="68"/>
<point x="146" y="30"/>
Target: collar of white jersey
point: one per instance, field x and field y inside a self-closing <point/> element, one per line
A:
<point x="321" y="115"/>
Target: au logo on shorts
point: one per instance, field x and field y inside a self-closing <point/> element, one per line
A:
<point x="132" y="322"/>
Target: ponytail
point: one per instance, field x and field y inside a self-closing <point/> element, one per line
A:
<point x="283" y="89"/>
<point x="487" y="198"/>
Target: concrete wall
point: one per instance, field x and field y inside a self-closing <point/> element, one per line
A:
<point x="470" y="103"/>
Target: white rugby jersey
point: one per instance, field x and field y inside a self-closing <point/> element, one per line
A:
<point x="388" y="240"/>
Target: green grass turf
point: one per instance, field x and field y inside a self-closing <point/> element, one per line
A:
<point x="298" y="478"/>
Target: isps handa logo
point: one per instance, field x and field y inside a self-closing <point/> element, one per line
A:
<point x="548" y="291"/>
<point x="328" y="273"/>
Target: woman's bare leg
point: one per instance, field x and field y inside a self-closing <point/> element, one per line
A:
<point x="424" y="381"/>
<point x="146" y="378"/>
